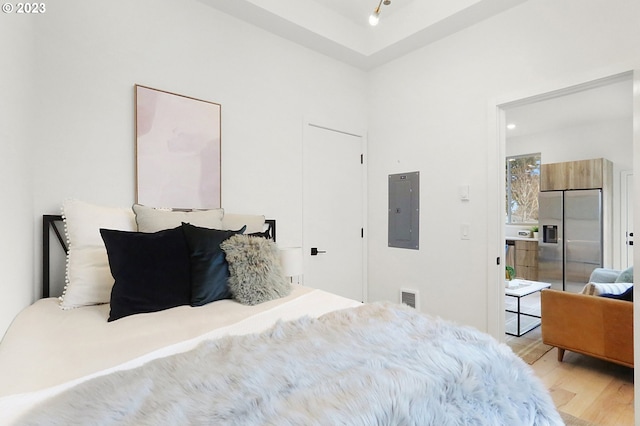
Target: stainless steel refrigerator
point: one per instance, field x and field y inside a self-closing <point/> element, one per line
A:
<point x="570" y="237"/>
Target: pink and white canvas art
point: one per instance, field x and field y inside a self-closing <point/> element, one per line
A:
<point x="177" y="150"/>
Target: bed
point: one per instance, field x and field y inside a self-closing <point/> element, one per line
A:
<point x="291" y="356"/>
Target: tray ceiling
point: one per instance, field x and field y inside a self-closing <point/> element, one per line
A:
<point x="340" y="29"/>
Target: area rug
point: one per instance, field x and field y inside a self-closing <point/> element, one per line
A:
<point x="529" y="347"/>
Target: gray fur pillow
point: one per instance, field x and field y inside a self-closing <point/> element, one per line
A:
<point x="254" y="266"/>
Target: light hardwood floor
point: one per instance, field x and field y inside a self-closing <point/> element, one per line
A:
<point x="593" y="390"/>
<point x="590" y="389"/>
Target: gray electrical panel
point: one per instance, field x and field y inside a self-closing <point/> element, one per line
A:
<point x="404" y="210"/>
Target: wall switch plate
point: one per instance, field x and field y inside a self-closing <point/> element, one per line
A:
<point x="464" y="231"/>
<point x="463" y="192"/>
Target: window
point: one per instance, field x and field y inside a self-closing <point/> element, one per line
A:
<point x="523" y="185"/>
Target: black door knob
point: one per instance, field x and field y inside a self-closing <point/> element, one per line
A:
<point x="315" y="251"/>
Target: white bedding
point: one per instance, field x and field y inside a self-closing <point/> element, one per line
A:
<point x="47" y="350"/>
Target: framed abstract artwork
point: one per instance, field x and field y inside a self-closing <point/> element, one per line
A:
<point x="177" y="150"/>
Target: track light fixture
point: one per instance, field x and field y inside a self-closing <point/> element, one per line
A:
<point x="375" y="16"/>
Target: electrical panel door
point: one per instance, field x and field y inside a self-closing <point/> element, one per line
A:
<point x="404" y="210"/>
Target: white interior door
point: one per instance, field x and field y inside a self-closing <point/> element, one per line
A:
<point x="333" y="206"/>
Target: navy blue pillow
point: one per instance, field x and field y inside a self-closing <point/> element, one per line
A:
<point x="209" y="268"/>
<point x="151" y="271"/>
<point x="627" y="295"/>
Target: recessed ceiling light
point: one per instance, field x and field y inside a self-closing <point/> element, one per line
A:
<point x="511" y="126"/>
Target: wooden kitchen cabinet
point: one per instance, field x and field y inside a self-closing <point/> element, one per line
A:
<point x="527" y="259"/>
<point x="582" y="174"/>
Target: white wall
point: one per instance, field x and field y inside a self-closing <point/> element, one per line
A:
<point x="88" y="57"/>
<point x="429" y="112"/>
<point x="610" y="139"/>
<point x="16" y="120"/>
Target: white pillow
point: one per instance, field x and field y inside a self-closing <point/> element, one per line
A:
<point x="150" y="219"/>
<point x="254" y="223"/>
<point x="596" y="289"/>
<point x="88" y="277"/>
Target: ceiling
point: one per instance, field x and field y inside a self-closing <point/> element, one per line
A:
<point x="358" y="11"/>
<point x="340" y="29"/>
<point x="598" y="102"/>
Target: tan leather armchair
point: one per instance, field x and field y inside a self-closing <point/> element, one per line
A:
<point x="590" y="325"/>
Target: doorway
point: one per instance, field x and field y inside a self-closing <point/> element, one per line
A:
<point x="626" y="196"/>
<point x="499" y="113"/>
<point x="594" y="120"/>
<point x="334" y="244"/>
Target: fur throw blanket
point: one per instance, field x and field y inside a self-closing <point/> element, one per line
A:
<point x="378" y="364"/>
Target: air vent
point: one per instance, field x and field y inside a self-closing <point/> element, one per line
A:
<point x="410" y="298"/>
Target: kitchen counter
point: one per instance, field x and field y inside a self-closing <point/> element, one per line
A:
<point x="520" y="239"/>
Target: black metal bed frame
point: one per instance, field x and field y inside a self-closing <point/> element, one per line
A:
<point x="49" y="222"/>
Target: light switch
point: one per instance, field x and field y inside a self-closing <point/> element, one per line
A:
<point x="464" y="231"/>
<point x="463" y="191"/>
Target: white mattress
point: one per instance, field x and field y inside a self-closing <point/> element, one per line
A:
<point x="47" y="350"/>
